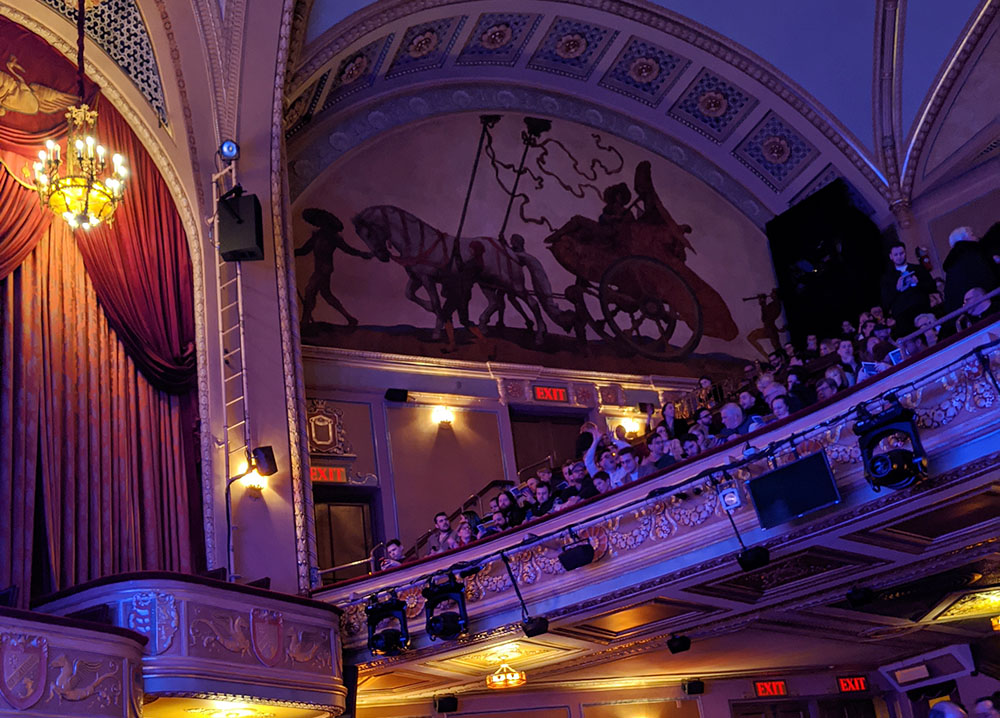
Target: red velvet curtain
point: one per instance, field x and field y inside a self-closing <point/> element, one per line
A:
<point x="141" y="269"/>
<point x="22" y="221"/>
<point x="75" y="415"/>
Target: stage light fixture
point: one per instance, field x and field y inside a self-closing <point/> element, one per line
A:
<point x="896" y="468"/>
<point x="695" y="687"/>
<point x="678" y="644"/>
<point x="730" y="498"/>
<point x="751" y="558"/>
<point x="263" y="461"/>
<point x="444" y="591"/>
<point x="576" y="554"/>
<point x="229" y="150"/>
<point x="388" y="634"/>
<point x="532" y="626"/>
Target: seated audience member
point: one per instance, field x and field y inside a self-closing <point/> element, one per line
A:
<point x="690" y="446"/>
<point x="601" y="482"/>
<point x="769" y="387"/>
<point x="494" y="507"/>
<point x="509" y="506"/>
<point x="777" y="362"/>
<point x="812" y="348"/>
<point x="825" y="389"/>
<point x="828" y="346"/>
<point x="800" y="394"/>
<point x="733" y="421"/>
<point x="965" y="267"/>
<point x="928" y="323"/>
<point x="544" y="501"/>
<point x="658" y="458"/>
<point x="836" y="375"/>
<point x="585" y="438"/>
<point x="544" y="473"/>
<point x="848" y="362"/>
<point x="462" y="536"/>
<point x="750" y="403"/>
<point x="394" y="554"/>
<point x="576" y="476"/>
<point x="628" y="464"/>
<point x="976" y="308"/>
<point x="707" y="394"/>
<point x="674" y="426"/>
<point x="750" y="372"/>
<point x="441" y="534"/>
<point x="705" y="421"/>
<point x="780" y="408"/>
<point x="846" y="330"/>
<point x="606" y="459"/>
<point x="906" y="289"/>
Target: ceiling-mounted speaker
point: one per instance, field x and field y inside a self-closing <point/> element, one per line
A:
<point x="693" y="688"/>
<point x="445" y="704"/>
<point x="240" y="228"/>
<point x="397" y="395"/>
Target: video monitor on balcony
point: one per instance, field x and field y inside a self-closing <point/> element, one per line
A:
<point x="794" y="490"/>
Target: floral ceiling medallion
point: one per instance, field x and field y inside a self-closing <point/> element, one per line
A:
<point x="571" y="46"/>
<point x="776" y="150"/>
<point x="423" y="44"/>
<point x="354" y="69"/>
<point x="497" y="36"/>
<point x="713" y="104"/>
<point x="644" y="69"/>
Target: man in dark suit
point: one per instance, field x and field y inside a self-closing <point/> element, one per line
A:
<point x="906" y="289"/>
<point x="966" y="266"/>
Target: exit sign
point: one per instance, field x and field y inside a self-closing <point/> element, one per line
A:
<point x="852" y="684"/>
<point x="557" y="394"/>
<point x="328" y="474"/>
<point x="768" y="689"/>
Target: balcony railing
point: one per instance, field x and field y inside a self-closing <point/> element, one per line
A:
<point x="665" y="523"/>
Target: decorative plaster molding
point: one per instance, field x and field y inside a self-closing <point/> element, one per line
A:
<point x="933" y="105"/>
<point x="336" y="40"/>
<point x="295" y="404"/>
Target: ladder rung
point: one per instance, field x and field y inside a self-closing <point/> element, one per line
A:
<point x="234" y="402"/>
<point x="227" y="354"/>
<point x="229" y="306"/>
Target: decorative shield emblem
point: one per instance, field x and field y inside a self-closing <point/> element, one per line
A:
<point x="267" y="636"/>
<point x="23" y="664"/>
<point x="155" y="616"/>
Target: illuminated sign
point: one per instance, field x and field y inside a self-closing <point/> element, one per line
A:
<point x="768" y="689"/>
<point x="550" y="393"/>
<point x="328" y="474"/>
<point x="852" y="684"/>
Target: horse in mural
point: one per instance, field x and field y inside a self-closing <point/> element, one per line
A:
<point x="429" y="258"/>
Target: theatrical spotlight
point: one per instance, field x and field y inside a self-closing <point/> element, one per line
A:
<point x="678" y="644"/>
<point x="387" y="631"/>
<point x="532" y="626"/>
<point x="445" y="592"/>
<point x="895" y="468"/>
<point x="576" y="554"/>
<point x="751" y="558"/>
<point x="229" y="150"/>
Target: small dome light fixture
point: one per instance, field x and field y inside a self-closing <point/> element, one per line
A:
<point x="229" y="150"/>
<point x="442" y="415"/>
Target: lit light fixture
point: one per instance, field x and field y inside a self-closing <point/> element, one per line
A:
<point x="630" y="425"/>
<point x="995" y="622"/>
<point x="229" y="150"/>
<point x="78" y="188"/>
<point x="506" y="677"/>
<point x="253" y="481"/>
<point x="442" y="415"/>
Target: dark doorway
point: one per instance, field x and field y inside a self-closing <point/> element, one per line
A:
<point x="778" y="709"/>
<point x="847" y="708"/>
<point x="538" y="435"/>
<point x="344" y="531"/>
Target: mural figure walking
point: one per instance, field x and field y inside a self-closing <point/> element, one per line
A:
<point x="770" y="312"/>
<point x="323" y="243"/>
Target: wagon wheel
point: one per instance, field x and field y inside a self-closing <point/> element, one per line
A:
<point x="643" y="300"/>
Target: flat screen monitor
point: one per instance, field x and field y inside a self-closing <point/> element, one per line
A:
<point x="792" y="491"/>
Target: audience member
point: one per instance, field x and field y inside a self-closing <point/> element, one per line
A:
<point x="987" y="706"/>
<point x="628" y="464"/>
<point x="780" y="408"/>
<point x="848" y="362"/>
<point x="508" y="504"/>
<point x="394" y="554"/>
<point x="838" y="377"/>
<point x="497" y="524"/>
<point x="690" y="446"/>
<point x="658" y="458"/>
<point x="733" y="421"/>
<point x="965" y="267"/>
<point x="441" y="534"/>
<point x="906" y="289"/>
<point x="976" y="308"/>
<point x="825" y="389"/>
<point x="544" y="501"/>
<point x="462" y="536"/>
<point x="675" y="426"/>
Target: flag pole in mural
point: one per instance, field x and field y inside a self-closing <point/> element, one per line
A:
<point x="534" y="129"/>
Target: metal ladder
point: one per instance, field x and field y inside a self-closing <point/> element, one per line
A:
<point x="229" y="285"/>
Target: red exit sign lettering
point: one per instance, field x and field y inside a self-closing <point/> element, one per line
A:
<point x="852" y="684"/>
<point x="328" y="474"/>
<point x="768" y="689"/>
<point x="550" y="393"/>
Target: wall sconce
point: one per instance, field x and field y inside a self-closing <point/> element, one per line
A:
<point x="995" y="622"/>
<point x="442" y="415"/>
<point x="254" y="483"/>
<point x="630" y="425"/>
<point x="260" y="463"/>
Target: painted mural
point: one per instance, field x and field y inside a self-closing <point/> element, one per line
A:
<point x="522" y="240"/>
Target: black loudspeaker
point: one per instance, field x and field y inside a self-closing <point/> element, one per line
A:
<point x="445" y="704"/>
<point x="350" y="678"/>
<point x="241" y="232"/>
<point x="693" y="688"/>
<point x="828" y="257"/>
<point x="263" y="461"/>
<point x="396" y="395"/>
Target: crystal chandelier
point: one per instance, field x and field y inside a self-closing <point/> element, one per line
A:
<point x="506" y="677"/>
<point x="79" y="188"/>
